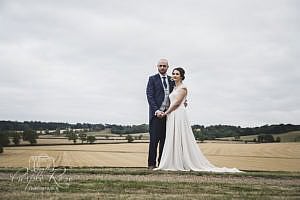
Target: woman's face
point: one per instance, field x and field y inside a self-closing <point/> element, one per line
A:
<point x="176" y="75"/>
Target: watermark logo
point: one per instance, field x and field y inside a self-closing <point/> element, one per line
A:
<point x="42" y="175"/>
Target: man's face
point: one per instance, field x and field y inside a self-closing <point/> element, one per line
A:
<point x="162" y="67"/>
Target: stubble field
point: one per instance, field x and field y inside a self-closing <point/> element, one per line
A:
<point x="117" y="171"/>
<point x="254" y="157"/>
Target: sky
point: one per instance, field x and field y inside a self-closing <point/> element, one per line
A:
<point x="89" y="61"/>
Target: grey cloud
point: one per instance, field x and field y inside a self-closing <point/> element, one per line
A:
<point x="89" y="61"/>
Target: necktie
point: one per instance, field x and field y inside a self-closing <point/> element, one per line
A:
<point x="164" y="82"/>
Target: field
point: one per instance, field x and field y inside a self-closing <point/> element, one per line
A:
<point x="262" y="157"/>
<point x="100" y="138"/>
<point x="117" y="171"/>
<point x="284" y="137"/>
<point x="138" y="183"/>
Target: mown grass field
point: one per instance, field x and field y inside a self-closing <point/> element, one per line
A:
<point x="263" y="157"/>
<point x="139" y="183"/>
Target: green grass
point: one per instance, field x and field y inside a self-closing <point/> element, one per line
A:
<point x="140" y="183"/>
<point x="285" y="137"/>
<point x="289" y="136"/>
<point x="107" y="132"/>
<point x="143" y="171"/>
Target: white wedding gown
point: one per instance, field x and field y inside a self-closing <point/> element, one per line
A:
<point x="181" y="152"/>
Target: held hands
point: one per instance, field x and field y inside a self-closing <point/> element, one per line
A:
<point x="160" y="114"/>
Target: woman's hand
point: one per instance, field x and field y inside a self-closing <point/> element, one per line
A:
<point x="164" y="114"/>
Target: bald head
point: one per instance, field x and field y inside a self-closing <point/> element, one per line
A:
<point x="162" y="66"/>
<point x="163" y="61"/>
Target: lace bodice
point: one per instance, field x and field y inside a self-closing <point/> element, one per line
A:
<point x="174" y="94"/>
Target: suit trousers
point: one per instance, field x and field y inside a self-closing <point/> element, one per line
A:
<point x="157" y="130"/>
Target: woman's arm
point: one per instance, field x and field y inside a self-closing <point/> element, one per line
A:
<point x="182" y="92"/>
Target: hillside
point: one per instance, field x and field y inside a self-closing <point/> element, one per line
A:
<point x="292" y="136"/>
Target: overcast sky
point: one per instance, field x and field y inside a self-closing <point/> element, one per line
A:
<point x="89" y="61"/>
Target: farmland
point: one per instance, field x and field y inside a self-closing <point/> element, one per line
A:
<point x="262" y="157"/>
<point x="291" y="136"/>
<point x="114" y="170"/>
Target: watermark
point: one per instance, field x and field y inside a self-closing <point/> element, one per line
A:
<point x="42" y="175"/>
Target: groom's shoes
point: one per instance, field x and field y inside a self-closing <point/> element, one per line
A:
<point x="151" y="167"/>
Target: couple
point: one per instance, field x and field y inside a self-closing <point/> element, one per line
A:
<point x="169" y="126"/>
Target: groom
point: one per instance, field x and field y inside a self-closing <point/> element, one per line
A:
<point x="158" y="89"/>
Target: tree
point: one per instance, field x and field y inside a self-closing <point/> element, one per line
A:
<point x="129" y="138"/>
<point x="119" y="129"/>
<point x="278" y="139"/>
<point x="73" y="136"/>
<point x="297" y="139"/>
<point x="4" y="141"/>
<point x="260" y="138"/>
<point x="236" y="136"/>
<point x="91" y="139"/>
<point x="30" y="135"/>
<point x="82" y="137"/>
<point x="57" y="132"/>
<point x="265" y="138"/>
<point x="269" y="138"/>
<point x="16" y="138"/>
<point x="199" y="135"/>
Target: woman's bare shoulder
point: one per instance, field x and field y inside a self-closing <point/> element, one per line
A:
<point x="183" y="86"/>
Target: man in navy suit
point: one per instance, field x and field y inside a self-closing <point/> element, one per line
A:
<point x="158" y="89"/>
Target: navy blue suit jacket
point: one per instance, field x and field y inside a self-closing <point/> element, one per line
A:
<point x="155" y="93"/>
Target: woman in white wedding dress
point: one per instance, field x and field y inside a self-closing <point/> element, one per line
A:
<point x="181" y="152"/>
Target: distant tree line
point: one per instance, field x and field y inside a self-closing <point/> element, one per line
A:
<point x="37" y="125"/>
<point x="119" y="129"/>
<point x="27" y="131"/>
<point x="220" y="131"/>
<point x="82" y="136"/>
<point x="266" y="138"/>
<point x="209" y="132"/>
<point x="27" y="135"/>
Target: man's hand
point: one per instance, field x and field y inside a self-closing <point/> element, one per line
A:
<point x="159" y="114"/>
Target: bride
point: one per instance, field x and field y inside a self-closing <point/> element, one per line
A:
<point x="181" y="152"/>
